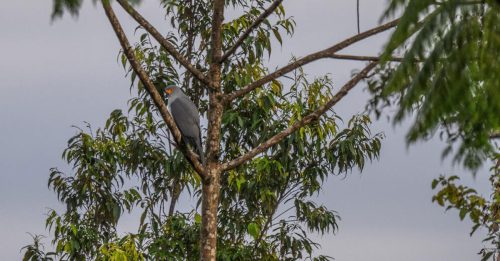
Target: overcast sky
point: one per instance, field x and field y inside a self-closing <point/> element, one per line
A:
<point x="55" y="75"/>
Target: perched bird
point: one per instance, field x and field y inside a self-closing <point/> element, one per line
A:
<point x="186" y="116"/>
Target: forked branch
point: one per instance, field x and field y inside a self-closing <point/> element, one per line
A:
<point x="326" y="53"/>
<point x="252" y="27"/>
<point x="146" y="81"/>
<point x="164" y="42"/>
<point x="304" y="121"/>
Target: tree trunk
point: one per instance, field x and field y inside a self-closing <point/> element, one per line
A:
<point x="209" y="206"/>
<point x="211" y="183"/>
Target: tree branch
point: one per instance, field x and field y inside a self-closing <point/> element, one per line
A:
<point x="304" y="121"/>
<point x="252" y="27"/>
<point x="363" y="58"/>
<point x="175" y="193"/>
<point x="155" y="95"/>
<point x="329" y="52"/>
<point x="164" y="42"/>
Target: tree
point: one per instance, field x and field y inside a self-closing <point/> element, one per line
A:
<point x="449" y="80"/>
<point x="271" y="142"/>
<point x="447" y="77"/>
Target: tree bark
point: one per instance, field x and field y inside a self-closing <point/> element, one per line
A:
<point x="211" y="186"/>
<point x="209" y="207"/>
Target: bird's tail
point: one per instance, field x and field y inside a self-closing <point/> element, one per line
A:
<point x="196" y="145"/>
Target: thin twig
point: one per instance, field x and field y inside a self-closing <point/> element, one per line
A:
<point x="270" y="217"/>
<point x="175" y="192"/>
<point x="364" y="58"/>
<point x="357" y="15"/>
<point x="252" y="27"/>
<point x="495" y="135"/>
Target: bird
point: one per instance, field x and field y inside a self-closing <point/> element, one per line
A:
<point x="186" y="117"/>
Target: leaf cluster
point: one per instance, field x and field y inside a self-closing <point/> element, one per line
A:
<point x="483" y="212"/>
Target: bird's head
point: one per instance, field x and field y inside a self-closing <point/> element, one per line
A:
<point x="169" y="90"/>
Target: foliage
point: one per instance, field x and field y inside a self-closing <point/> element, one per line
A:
<point x="267" y="206"/>
<point x="448" y="82"/>
<point x="59" y="6"/>
<point x="482" y="212"/>
<point x="36" y="251"/>
<point x="448" y="78"/>
<point x="72" y="7"/>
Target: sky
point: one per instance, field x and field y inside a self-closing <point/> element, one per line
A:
<point x="54" y="75"/>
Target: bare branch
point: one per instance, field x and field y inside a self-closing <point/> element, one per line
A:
<point x="164" y="42"/>
<point x="175" y="192"/>
<point x="357" y="15"/>
<point x="155" y="95"/>
<point x="462" y="3"/>
<point x="363" y="58"/>
<point x="329" y="52"/>
<point x="252" y="27"/>
<point x="304" y="121"/>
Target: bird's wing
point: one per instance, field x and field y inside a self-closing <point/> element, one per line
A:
<point x="186" y="117"/>
<point x="190" y="107"/>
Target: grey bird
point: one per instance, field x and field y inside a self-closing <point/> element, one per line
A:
<point x="186" y="116"/>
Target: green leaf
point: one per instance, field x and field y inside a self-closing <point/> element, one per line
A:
<point x="254" y="230"/>
<point x="487" y="256"/>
